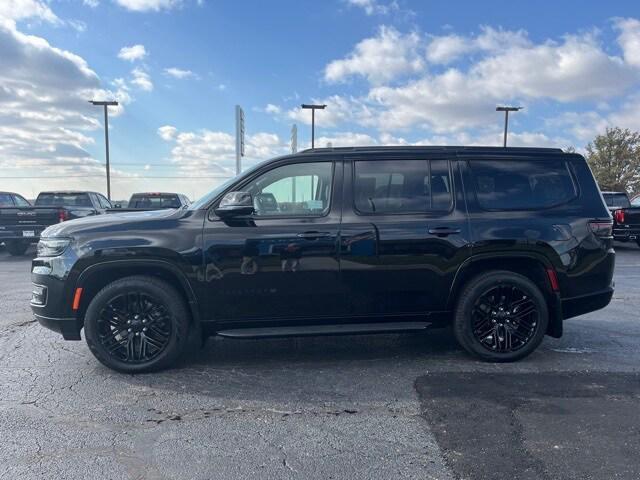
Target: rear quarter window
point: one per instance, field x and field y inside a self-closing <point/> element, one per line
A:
<point x="522" y="184"/>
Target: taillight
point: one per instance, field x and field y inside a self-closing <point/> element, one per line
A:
<point x="601" y="228"/>
<point x="62" y="215"/>
<point x="619" y="216"/>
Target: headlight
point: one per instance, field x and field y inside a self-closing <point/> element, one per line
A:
<point x="52" y="247"/>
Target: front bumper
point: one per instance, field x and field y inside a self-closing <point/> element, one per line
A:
<point x="68" y="327"/>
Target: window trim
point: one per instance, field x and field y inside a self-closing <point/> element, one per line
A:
<point x="268" y="168"/>
<point x="567" y="165"/>
<point x="428" y="212"/>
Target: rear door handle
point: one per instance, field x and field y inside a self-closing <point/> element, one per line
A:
<point x="443" y="231"/>
<point x="314" y="235"/>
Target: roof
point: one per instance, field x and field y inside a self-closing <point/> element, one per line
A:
<point x="435" y="149"/>
<point x="65" y="192"/>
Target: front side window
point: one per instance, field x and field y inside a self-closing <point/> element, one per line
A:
<point x="402" y="186"/>
<point x="522" y="184"/>
<point x="301" y="189"/>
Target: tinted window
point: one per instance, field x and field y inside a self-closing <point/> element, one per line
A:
<point x="104" y="203"/>
<point x="522" y="184"/>
<point x="616" y="200"/>
<point x="154" y="201"/>
<point x="6" y="200"/>
<point x="402" y="186"/>
<point x="63" y="200"/>
<point x="20" y="201"/>
<point x="301" y="189"/>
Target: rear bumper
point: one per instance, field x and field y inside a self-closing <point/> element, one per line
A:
<point x="626" y="234"/>
<point x="572" y="307"/>
<point x="68" y="327"/>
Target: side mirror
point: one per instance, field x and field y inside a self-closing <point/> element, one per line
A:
<point x="235" y="204"/>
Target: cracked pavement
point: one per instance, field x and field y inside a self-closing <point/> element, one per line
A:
<point x="384" y="406"/>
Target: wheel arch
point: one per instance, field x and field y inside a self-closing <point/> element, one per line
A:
<point x="531" y="265"/>
<point x="95" y="277"/>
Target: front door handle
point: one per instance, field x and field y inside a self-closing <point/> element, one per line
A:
<point x="443" y="231"/>
<point x="314" y="235"/>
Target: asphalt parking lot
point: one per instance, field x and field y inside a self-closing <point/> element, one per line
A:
<point x="388" y="406"/>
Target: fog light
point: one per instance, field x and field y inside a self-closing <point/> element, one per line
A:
<point x="39" y="295"/>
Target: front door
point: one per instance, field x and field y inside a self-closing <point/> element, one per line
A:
<point x="404" y="233"/>
<point x="282" y="261"/>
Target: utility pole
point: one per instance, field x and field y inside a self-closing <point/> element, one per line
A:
<point x="239" y="138"/>
<point x="313" y="109"/>
<point x="106" y="104"/>
<point x="506" y="111"/>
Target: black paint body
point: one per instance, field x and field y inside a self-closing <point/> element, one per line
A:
<point x="343" y="267"/>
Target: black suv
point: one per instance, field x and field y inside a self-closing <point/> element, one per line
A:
<point x="504" y="243"/>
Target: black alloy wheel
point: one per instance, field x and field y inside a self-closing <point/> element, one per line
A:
<point x="137" y="324"/>
<point x="500" y="316"/>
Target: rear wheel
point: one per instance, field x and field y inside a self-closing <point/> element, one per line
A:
<point x="16" y="247"/>
<point x="137" y="324"/>
<point x="501" y="316"/>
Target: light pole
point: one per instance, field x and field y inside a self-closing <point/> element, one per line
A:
<point x="506" y="111"/>
<point x="106" y="104"/>
<point x="313" y="109"/>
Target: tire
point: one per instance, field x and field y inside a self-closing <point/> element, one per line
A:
<point x="16" y="247"/>
<point x="492" y="319"/>
<point x="118" y="332"/>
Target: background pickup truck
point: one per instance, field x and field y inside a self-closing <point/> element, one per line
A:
<point x="626" y="217"/>
<point x="153" y="201"/>
<point x="21" y="224"/>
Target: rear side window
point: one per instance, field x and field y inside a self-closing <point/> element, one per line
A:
<point x="522" y="184"/>
<point x="155" y="201"/>
<point x="402" y="186"/>
<point x="616" y="200"/>
<point x="21" y="202"/>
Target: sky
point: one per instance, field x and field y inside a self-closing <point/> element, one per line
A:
<point x="391" y="72"/>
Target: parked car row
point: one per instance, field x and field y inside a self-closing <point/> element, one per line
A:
<point x="22" y="223"/>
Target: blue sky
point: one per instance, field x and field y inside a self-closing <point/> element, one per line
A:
<point x="391" y="72"/>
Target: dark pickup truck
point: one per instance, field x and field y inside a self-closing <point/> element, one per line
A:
<point x="626" y="217"/>
<point x="153" y="201"/>
<point x="21" y="223"/>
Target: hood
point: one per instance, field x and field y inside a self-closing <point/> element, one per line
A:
<point x="96" y="222"/>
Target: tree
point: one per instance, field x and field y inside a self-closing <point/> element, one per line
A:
<point x="615" y="160"/>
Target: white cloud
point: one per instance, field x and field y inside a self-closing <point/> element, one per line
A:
<point x="148" y="5"/>
<point x="345" y="139"/>
<point x="45" y="118"/>
<point x="379" y="59"/>
<point x="141" y="79"/>
<point x="132" y="53"/>
<point x="375" y="7"/>
<point x="213" y="152"/>
<point x="178" y="73"/>
<point x="446" y="48"/>
<point x="629" y="39"/>
<point x="339" y="110"/>
<point x="222" y="87"/>
<point x="272" y="109"/>
<point x="91" y="3"/>
<point x="22" y="9"/>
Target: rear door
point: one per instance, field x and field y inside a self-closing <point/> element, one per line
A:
<point x="404" y="233"/>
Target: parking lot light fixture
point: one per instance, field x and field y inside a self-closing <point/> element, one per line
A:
<point x="313" y="108"/>
<point x="106" y="104"/>
<point x="506" y="111"/>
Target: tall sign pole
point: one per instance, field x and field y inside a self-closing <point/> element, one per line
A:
<point x="294" y="138"/>
<point x="239" y="138"/>
<point x="313" y="109"/>
<point x="106" y="138"/>
<point x="506" y="111"/>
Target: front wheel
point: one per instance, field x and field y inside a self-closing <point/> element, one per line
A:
<point x="16" y="247"/>
<point x="501" y="316"/>
<point x="137" y="324"/>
